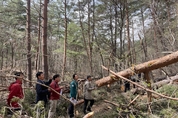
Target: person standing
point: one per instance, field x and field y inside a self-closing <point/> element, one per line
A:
<point x="15" y="90"/>
<point x="54" y="97"/>
<point x="42" y="91"/>
<point x="88" y="88"/>
<point x="73" y="94"/>
<point x="127" y="86"/>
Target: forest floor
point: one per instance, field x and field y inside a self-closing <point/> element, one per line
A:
<point x="113" y="103"/>
<point x="100" y="107"/>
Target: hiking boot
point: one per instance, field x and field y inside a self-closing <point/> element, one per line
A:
<point x="85" y="112"/>
<point x="89" y="109"/>
<point x="71" y="116"/>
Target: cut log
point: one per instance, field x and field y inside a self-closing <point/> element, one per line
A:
<point x="143" y="67"/>
<point x="89" y="115"/>
<point x="80" y="102"/>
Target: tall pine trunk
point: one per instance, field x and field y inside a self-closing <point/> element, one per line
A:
<point x="133" y="45"/>
<point x="12" y="54"/>
<point x="115" y="37"/>
<point x="37" y="66"/>
<point x="65" y="42"/>
<point x="45" y="54"/>
<point x="128" y="34"/>
<point x="29" y="70"/>
<point x="83" y="34"/>
<point x="112" y="38"/>
<point x="89" y="39"/>
<point x="144" y="38"/>
<point x="121" y="27"/>
<point x="2" y="58"/>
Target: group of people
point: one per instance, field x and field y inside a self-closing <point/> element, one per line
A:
<point x="88" y="88"/>
<point x="50" y="90"/>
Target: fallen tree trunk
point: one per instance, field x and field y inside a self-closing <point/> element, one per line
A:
<point x="166" y="81"/>
<point x="144" y="88"/>
<point x="144" y="67"/>
<point x="155" y="85"/>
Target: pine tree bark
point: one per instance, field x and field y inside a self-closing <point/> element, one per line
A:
<point x="128" y="34"/>
<point x="12" y="54"/>
<point x="90" y="49"/>
<point x="115" y="36"/>
<point x="112" y="37"/>
<point x="143" y="46"/>
<point x="2" y="58"/>
<point x="29" y="70"/>
<point x="65" y="42"/>
<point x="87" y="43"/>
<point x="154" y="25"/>
<point x="121" y="27"/>
<point x="133" y="45"/>
<point x="45" y="54"/>
<point x="143" y="67"/>
<point x="144" y="38"/>
<point x="149" y="94"/>
<point x="37" y="66"/>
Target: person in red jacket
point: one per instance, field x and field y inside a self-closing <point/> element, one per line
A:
<point x="15" y="90"/>
<point x="54" y="97"/>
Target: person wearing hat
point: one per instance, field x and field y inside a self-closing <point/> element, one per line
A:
<point x="88" y="88"/>
<point x="15" y="91"/>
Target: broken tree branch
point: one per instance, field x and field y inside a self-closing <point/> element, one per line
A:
<point x="112" y="103"/>
<point x="5" y="89"/>
<point x="133" y="100"/>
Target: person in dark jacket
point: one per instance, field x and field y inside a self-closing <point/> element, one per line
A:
<point x="73" y="94"/>
<point x="54" y="97"/>
<point x="42" y="91"/>
<point x="15" y="90"/>
<point x="127" y="85"/>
